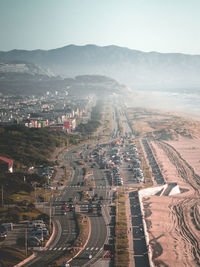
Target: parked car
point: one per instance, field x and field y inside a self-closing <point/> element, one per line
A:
<point x="40" y="230"/>
<point x="48" y="187"/>
<point x="3" y="235"/>
<point x="3" y="232"/>
<point x="33" y="241"/>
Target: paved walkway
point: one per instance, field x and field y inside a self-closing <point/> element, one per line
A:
<point x="102" y="263"/>
<point x="130" y="233"/>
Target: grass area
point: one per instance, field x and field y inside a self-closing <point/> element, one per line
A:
<point x="10" y="256"/>
<point x="28" y="147"/>
<point x="22" y="196"/>
<point x="104" y="130"/>
<point x="44" y="195"/>
<point x="66" y="176"/>
<point x="85" y="196"/>
<point x="107" y="119"/>
<point x="119" y="123"/>
<point x="121" y="258"/>
<point x="145" y="167"/>
<point x="39" y="195"/>
<point x="83" y="228"/>
<point x="87" y="180"/>
<point x="18" y="213"/>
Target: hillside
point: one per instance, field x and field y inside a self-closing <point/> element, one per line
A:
<point x="23" y="67"/>
<point x="135" y="68"/>
<point x="22" y="83"/>
<point x="28" y="147"/>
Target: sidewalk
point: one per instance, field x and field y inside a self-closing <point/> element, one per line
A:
<point x="130" y="233"/>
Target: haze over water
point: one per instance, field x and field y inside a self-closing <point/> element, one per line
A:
<point x="180" y="101"/>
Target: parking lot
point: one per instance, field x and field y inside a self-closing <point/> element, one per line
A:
<point x="139" y="243"/>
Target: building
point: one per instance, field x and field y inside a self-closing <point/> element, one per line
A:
<point x="6" y="164"/>
<point x="57" y="127"/>
<point x="67" y="126"/>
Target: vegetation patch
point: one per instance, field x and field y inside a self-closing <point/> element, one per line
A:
<point x="92" y="125"/>
<point x="10" y="256"/>
<point x="15" y="214"/>
<point x="145" y="167"/>
<point x="121" y="258"/>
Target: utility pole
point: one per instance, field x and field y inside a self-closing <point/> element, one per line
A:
<point x="35" y="193"/>
<point x="26" y="242"/>
<point x="50" y="211"/>
<point x="2" y="202"/>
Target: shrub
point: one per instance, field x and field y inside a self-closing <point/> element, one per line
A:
<point x="44" y="217"/>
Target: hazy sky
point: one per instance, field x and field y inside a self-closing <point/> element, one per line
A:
<point x="148" y="25"/>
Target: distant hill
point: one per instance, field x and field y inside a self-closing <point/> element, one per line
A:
<point x="23" y="67"/>
<point x="132" y="67"/>
<point x="22" y="83"/>
<point x="19" y="77"/>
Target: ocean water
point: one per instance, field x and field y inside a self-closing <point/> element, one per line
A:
<point x="184" y="102"/>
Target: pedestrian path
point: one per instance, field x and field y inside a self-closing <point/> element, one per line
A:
<point x="62" y="248"/>
<point x="98" y="187"/>
<point x="130" y="229"/>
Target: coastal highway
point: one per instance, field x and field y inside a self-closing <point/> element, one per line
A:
<point x="98" y="235"/>
<point x="65" y="226"/>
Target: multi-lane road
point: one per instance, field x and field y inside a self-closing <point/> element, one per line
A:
<point x="65" y="225"/>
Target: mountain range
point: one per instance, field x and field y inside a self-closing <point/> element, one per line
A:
<point x="137" y="69"/>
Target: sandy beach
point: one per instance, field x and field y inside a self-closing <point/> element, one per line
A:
<point x="173" y="220"/>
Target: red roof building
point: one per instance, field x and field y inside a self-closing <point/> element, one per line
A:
<point x="6" y="164"/>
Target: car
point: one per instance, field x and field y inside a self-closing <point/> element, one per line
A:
<point x="39" y="225"/>
<point x="48" y="187"/>
<point x="3" y="235"/>
<point x="71" y="207"/>
<point x="40" y="236"/>
<point x="40" y="230"/>
<point x="65" y="264"/>
<point x="22" y="203"/>
<point x="35" y="223"/>
<point x="34" y="241"/>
